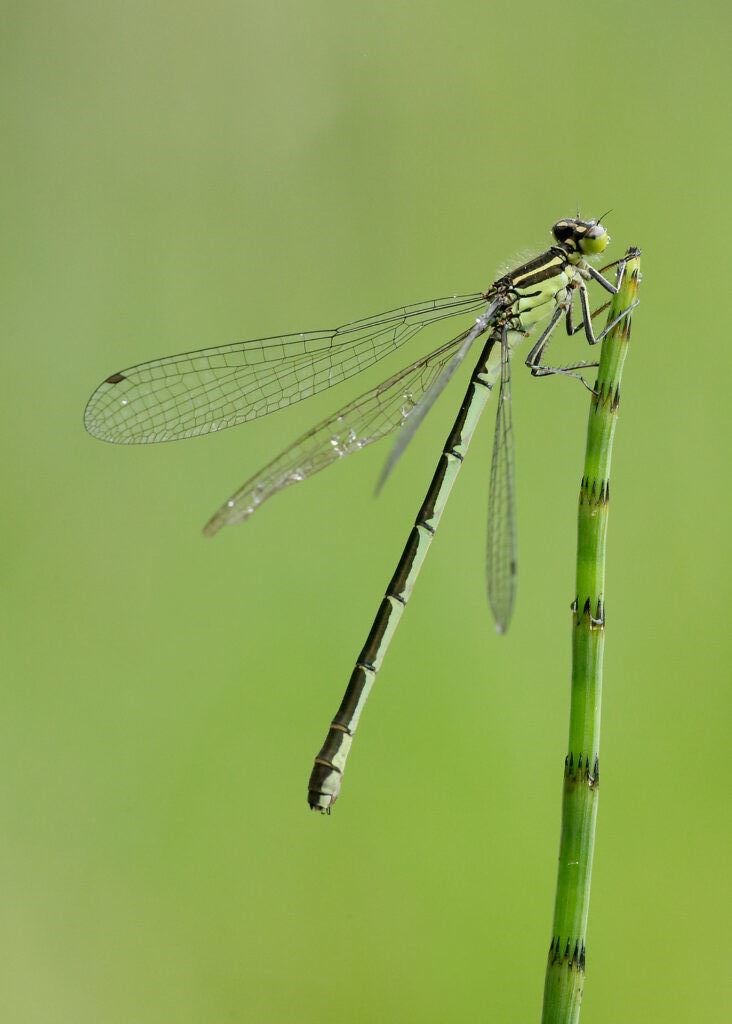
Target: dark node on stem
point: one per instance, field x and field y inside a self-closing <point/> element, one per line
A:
<point x="572" y="955"/>
<point x="589" y="618"/>
<point x="606" y="396"/>
<point x="595" y="494"/>
<point x="570" y="771"/>
<point x="597" y="621"/>
<point x="580" y="770"/>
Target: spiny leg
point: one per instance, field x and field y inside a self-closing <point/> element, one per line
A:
<point x="615" y="263"/>
<point x="573" y="328"/>
<point x="533" y="360"/>
<point x="597" y="275"/>
<point x="592" y="338"/>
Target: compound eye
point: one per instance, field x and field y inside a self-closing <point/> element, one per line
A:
<point x="595" y="240"/>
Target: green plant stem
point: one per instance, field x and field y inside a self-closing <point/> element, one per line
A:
<point x="566" y="964"/>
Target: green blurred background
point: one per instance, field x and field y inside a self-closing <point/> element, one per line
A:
<point x="181" y="175"/>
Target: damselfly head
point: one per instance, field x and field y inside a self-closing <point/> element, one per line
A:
<point x="586" y="236"/>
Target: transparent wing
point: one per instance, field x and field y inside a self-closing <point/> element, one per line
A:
<point x="501" y="549"/>
<point x="368" y="418"/>
<point x="437" y="387"/>
<point x="214" y="388"/>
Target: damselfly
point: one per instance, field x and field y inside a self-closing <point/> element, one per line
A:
<point x="210" y="389"/>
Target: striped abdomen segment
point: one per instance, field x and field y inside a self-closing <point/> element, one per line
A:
<point x="330" y="763"/>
